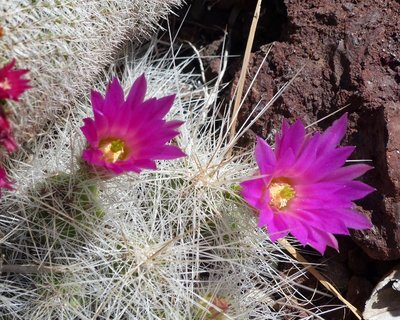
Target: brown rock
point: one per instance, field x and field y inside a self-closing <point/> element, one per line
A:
<point x="358" y="263"/>
<point x="350" y="56"/>
<point x="337" y="274"/>
<point x="358" y="291"/>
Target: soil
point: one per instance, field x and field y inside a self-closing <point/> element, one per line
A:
<point x="348" y="54"/>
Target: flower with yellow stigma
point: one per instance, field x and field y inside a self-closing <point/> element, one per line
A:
<point x="12" y="85"/>
<point x="129" y="134"/>
<point x="304" y="187"/>
<point x="113" y="150"/>
<point x="281" y="193"/>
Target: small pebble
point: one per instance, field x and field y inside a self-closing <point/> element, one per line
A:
<point x="348" y="6"/>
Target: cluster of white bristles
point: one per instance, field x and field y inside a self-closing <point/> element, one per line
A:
<point x="164" y="244"/>
<point x="65" y="44"/>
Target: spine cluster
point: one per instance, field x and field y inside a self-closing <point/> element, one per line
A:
<point x="65" y="45"/>
<point x="176" y="243"/>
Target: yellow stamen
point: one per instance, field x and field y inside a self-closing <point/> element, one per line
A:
<point x="113" y="149"/>
<point x="281" y="193"/>
<point x="5" y="85"/>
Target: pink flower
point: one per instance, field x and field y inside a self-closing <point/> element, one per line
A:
<point x="6" y="137"/>
<point x="4" y="182"/>
<point x="12" y="85"/>
<point x="304" y="188"/>
<point x="129" y="135"/>
<point x="222" y="304"/>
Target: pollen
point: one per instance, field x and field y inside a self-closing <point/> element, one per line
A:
<point x="5" y="85"/>
<point x="281" y="193"/>
<point x="113" y="150"/>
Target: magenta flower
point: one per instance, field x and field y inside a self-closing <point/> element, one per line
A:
<point x="129" y="135"/>
<point x="304" y="188"/>
<point x="4" y="182"/>
<point x="12" y="85"/>
<point x="6" y="136"/>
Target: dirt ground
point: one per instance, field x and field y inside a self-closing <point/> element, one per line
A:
<point x="348" y="53"/>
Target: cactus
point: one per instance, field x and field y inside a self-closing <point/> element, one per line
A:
<point x="65" y="44"/>
<point x="176" y="243"/>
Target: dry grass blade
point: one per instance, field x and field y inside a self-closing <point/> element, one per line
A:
<point x="319" y="276"/>
<point x="243" y="72"/>
<point x="27" y="269"/>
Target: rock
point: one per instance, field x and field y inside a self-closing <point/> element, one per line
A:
<point x="337" y="274"/>
<point x="349" y="54"/>
<point x="384" y="301"/>
<point x="358" y="291"/>
<point x="348" y="6"/>
<point x="358" y="262"/>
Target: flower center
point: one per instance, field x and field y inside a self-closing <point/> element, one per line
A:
<point x="281" y="193"/>
<point x="5" y="85"/>
<point x="113" y="150"/>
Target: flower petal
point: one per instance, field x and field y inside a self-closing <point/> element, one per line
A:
<point x="137" y="93"/>
<point x="89" y="130"/>
<point x="162" y="106"/>
<point x="313" y="167"/>
<point x="5" y="183"/>
<point x="333" y="135"/>
<point x="348" y="173"/>
<point x="354" y="190"/>
<point x="114" y="98"/>
<point x="353" y="219"/>
<point x="134" y="126"/>
<point x="277" y="228"/>
<point x="265" y="157"/>
<point x="255" y="192"/>
<point x="329" y="162"/>
<point x="12" y="85"/>
<point x="292" y="137"/>
<point x="265" y="217"/>
<point x="319" y="240"/>
<point x="170" y="153"/>
<point x="97" y="101"/>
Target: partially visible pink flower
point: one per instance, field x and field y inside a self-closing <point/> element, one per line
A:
<point x="12" y="85"/>
<point x="222" y="304"/>
<point x="6" y="136"/>
<point x="304" y="187"/>
<point x="4" y="182"/>
<point x="129" y="135"/>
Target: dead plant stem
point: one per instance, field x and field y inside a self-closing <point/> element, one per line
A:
<point x="243" y="72"/>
